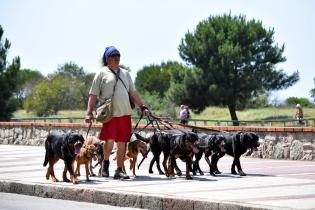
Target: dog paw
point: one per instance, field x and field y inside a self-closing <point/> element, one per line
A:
<point x="179" y="173"/>
<point x="217" y="172"/>
<point x="161" y="173"/>
<point x="242" y="173"/>
<point x="201" y="173"/>
<point x="66" y="180"/>
<point x="150" y="172"/>
<point x="233" y="172"/>
<point x="189" y="178"/>
<point x="54" y="180"/>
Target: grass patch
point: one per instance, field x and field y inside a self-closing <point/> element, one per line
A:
<point x="210" y="113"/>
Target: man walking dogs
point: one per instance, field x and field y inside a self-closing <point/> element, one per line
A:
<point x="118" y="129"/>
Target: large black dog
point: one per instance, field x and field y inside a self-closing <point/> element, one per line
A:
<point x="236" y="144"/>
<point x="174" y="144"/>
<point x="65" y="147"/>
<point x="207" y="144"/>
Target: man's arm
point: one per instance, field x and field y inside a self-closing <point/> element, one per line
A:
<point x="137" y="100"/>
<point x="90" y="106"/>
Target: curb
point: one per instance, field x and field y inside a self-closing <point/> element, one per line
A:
<point x="117" y="199"/>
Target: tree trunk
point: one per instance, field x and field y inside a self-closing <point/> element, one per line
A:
<point x="232" y="110"/>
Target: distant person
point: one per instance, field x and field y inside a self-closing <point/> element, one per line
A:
<point x="299" y="114"/>
<point x="184" y="114"/>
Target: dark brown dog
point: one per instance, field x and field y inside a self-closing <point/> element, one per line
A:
<point x="133" y="149"/>
<point x="62" y="146"/>
<point x="87" y="153"/>
<point x="174" y="144"/>
<point x="207" y="144"/>
<point x="236" y="144"/>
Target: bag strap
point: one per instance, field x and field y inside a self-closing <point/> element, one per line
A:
<point x="115" y="82"/>
<point x="117" y="75"/>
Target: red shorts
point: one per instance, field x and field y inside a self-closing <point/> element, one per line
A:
<point x="118" y="129"/>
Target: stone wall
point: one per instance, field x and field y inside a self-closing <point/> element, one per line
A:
<point x="276" y="143"/>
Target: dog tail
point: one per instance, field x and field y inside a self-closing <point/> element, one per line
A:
<point x="47" y="148"/>
<point x="138" y="136"/>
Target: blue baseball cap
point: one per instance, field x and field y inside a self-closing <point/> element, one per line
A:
<point x="109" y="51"/>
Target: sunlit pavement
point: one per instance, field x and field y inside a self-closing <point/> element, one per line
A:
<point x="269" y="184"/>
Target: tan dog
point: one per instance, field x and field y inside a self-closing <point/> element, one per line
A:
<point x="133" y="149"/>
<point x="85" y="157"/>
<point x="92" y="140"/>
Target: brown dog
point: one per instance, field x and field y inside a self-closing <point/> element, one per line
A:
<point x="133" y="149"/>
<point x="92" y="140"/>
<point x="85" y="157"/>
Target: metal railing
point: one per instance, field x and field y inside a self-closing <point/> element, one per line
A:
<point x="307" y="122"/>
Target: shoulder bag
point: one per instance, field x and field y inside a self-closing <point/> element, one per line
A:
<point x="104" y="112"/>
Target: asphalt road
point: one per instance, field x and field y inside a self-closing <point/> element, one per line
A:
<point x="11" y="201"/>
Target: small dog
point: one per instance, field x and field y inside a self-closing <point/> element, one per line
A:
<point x="133" y="149"/>
<point x="62" y="146"/>
<point x="236" y="144"/>
<point x="92" y="140"/>
<point x="87" y="153"/>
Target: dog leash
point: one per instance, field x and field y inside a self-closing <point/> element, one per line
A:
<point x="90" y="124"/>
<point x="150" y="120"/>
<point x="188" y="126"/>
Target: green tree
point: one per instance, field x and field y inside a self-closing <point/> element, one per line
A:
<point x="152" y="78"/>
<point x="66" y="89"/>
<point x="295" y="100"/>
<point x="236" y="61"/>
<point x="79" y="82"/>
<point x="48" y="97"/>
<point x="28" y="79"/>
<point x="8" y="80"/>
<point x="312" y="92"/>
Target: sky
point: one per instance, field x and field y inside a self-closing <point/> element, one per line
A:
<point x="46" y="34"/>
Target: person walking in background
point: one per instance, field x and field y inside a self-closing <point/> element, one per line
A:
<point x="118" y="129"/>
<point x="299" y="114"/>
<point x="184" y="114"/>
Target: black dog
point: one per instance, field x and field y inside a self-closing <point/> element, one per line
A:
<point x="65" y="147"/>
<point x="207" y="144"/>
<point x="236" y="144"/>
<point x="174" y="144"/>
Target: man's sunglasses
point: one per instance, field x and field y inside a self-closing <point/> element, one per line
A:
<point x="114" y="55"/>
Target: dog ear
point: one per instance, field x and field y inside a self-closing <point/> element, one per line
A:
<point x="67" y="137"/>
<point x="194" y="130"/>
<point x="81" y="138"/>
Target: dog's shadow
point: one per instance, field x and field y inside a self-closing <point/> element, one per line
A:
<point x="156" y="178"/>
<point x="93" y="181"/>
<point x="148" y="178"/>
<point x="238" y="176"/>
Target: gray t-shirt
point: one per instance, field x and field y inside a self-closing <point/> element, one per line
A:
<point x="103" y="85"/>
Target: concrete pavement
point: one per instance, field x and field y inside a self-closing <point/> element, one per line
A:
<point x="269" y="184"/>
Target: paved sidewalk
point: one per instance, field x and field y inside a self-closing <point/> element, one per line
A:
<point x="269" y="184"/>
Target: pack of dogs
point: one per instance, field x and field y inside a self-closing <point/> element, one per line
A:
<point x="188" y="146"/>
